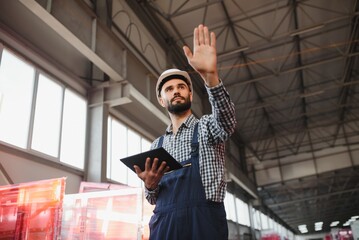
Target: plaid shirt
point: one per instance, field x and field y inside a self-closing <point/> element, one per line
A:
<point x="213" y="131"/>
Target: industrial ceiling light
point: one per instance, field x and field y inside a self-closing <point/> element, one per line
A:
<point x="318" y="226"/>
<point x="334" y="224"/>
<point x="305" y="30"/>
<point x="303" y="228"/>
<point x="352" y="219"/>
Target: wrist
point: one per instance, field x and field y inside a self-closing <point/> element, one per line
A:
<point x="211" y="79"/>
<point x="151" y="188"/>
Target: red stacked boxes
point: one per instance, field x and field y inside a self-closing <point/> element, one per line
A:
<point x="32" y="210"/>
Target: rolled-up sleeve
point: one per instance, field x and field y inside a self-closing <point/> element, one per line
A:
<point x="223" y="111"/>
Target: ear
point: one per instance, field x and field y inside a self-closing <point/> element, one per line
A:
<point x="161" y="101"/>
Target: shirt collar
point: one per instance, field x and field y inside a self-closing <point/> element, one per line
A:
<point x="191" y="120"/>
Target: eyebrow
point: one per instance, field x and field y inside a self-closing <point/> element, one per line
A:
<point x="179" y="84"/>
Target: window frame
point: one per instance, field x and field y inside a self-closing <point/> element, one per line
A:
<point x="109" y="159"/>
<point x="66" y="84"/>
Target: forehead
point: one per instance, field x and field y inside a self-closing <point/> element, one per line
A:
<point x="174" y="82"/>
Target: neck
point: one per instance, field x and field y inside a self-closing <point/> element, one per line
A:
<point x="178" y="119"/>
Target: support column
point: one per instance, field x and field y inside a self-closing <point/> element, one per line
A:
<point x="96" y="167"/>
<point x="96" y="170"/>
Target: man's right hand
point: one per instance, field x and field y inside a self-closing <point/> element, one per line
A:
<point x="203" y="59"/>
<point x="152" y="174"/>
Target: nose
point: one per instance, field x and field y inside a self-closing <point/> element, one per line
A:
<point x="176" y="91"/>
<point x="176" y="94"/>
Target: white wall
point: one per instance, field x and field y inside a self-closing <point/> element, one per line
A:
<point x="22" y="170"/>
<point x="312" y="236"/>
<point x="306" y="164"/>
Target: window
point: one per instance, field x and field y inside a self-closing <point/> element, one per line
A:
<point x="46" y="132"/>
<point x="118" y="138"/>
<point x="270" y="223"/>
<point x="242" y="212"/>
<point x="57" y="116"/>
<point x="73" y="130"/>
<point x="264" y="221"/>
<point x="117" y="148"/>
<point x="229" y="205"/>
<point x="16" y="93"/>
<point x="257" y="219"/>
<point x="134" y="147"/>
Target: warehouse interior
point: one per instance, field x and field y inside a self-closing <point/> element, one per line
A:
<point x="290" y="67"/>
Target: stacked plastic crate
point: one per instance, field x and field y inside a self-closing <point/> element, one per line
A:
<point x="32" y="210"/>
<point x="115" y="214"/>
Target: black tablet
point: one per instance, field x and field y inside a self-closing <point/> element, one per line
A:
<point x="160" y="153"/>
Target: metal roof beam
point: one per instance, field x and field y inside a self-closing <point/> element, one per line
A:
<point x="290" y="70"/>
<point x="348" y="69"/>
<point x="312" y="198"/>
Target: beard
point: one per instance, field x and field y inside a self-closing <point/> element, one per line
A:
<point x="179" y="108"/>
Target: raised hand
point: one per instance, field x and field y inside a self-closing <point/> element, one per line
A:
<point x="203" y="59"/>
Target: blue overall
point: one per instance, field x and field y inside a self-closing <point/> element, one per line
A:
<point x="182" y="211"/>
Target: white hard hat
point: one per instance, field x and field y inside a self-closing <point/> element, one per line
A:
<point x="172" y="74"/>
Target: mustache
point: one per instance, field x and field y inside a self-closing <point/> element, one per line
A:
<point x="178" y="96"/>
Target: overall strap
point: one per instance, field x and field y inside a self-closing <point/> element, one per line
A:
<point x="194" y="144"/>
<point x="160" y="142"/>
<point x="195" y="134"/>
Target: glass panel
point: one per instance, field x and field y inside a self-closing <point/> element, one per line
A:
<point x="242" y="212"/>
<point x="109" y="148"/>
<point x="118" y="138"/>
<point x="118" y="144"/>
<point x="146" y="145"/>
<point x="275" y="226"/>
<point x="270" y="223"/>
<point x="73" y="130"/>
<point x="230" y="207"/>
<point x="264" y="221"/>
<point x="257" y="220"/>
<point x="46" y="134"/>
<point x="16" y="90"/>
<point x="133" y="148"/>
<point x="246" y="214"/>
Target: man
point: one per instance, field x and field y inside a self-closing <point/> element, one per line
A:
<point x="189" y="201"/>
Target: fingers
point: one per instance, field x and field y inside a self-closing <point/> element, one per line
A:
<point x="137" y="169"/>
<point x="159" y="169"/>
<point x="195" y="37"/>
<point x="153" y="173"/>
<point x="163" y="168"/>
<point x="151" y="166"/>
<point x="206" y="35"/>
<point x="201" y="36"/>
<point x="148" y="164"/>
<point x="152" y="169"/>
<point x="213" y="39"/>
<point x="154" y="165"/>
